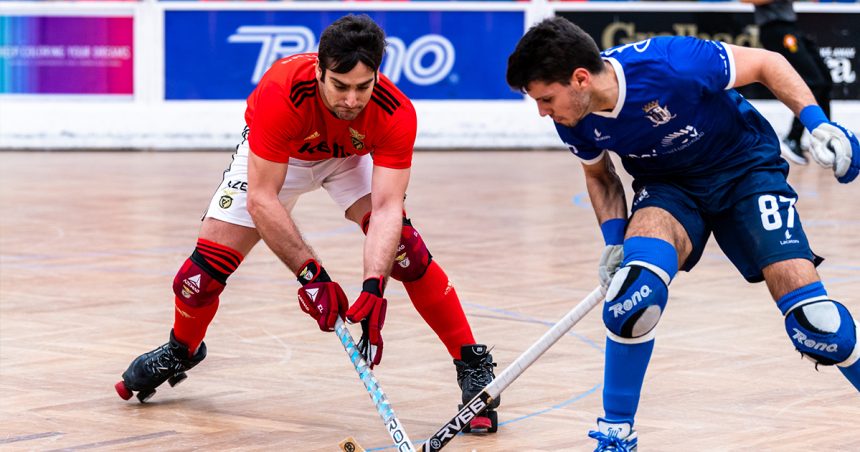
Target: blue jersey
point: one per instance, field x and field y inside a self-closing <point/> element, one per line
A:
<point x="676" y="116"/>
<point x="698" y="150"/>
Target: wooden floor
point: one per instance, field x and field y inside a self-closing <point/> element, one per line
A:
<point x="89" y="244"/>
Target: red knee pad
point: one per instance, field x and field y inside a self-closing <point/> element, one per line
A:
<point x="203" y="275"/>
<point x="412" y="257"/>
<point x="195" y="287"/>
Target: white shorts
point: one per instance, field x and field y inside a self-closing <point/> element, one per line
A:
<point x="345" y="179"/>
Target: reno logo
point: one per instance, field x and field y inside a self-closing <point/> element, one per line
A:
<point x="425" y="61"/>
<point x="623" y="307"/>
<point x="807" y="342"/>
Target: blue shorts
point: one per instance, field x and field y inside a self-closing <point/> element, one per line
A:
<point x="751" y="215"/>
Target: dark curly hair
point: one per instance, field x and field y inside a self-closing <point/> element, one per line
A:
<point x="351" y="39"/>
<point x="549" y="52"/>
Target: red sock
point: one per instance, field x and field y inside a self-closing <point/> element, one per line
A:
<point x="190" y="324"/>
<point x="436" y="300"/>
<point x="199" y="282"/>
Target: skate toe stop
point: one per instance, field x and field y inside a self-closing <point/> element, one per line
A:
<point x="123" y="391"/>
<point x="486" y="422"/>
<point x="481" y="423"/>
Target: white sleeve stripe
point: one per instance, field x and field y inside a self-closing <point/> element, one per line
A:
<point x="594" y="160"/>
<point x="731" y="66"/>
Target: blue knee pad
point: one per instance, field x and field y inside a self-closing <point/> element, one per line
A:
<point x="639" y="290"/>
<point x="820" y="328"/>
<point x="822" y="331"/>
<point x="634" y="303"/>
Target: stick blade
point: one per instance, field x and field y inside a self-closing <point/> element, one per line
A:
<point x="349" y="444"/>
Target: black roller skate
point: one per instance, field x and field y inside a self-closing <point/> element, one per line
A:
<point x="474" y="373"/>
<point x="149" y="370"/>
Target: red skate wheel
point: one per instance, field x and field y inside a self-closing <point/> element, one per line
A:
<point x="122" y="390"/>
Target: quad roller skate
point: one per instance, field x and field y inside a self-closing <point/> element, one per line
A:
<point x="615" y="436"/>
<point x="474" y="373"/>
<point x="149" y="370"/>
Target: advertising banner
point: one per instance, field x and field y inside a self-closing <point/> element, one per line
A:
<point x="450" y="55"/>
<point x="66" y="55"/>
<point x="837" y="36"/>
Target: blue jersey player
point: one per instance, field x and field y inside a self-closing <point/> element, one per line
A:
<point x="704" y="162"/>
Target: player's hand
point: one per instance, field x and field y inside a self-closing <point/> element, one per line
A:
<point x="834" y="146"/>
<point x="371" y="353"/>
<point x="369" y="309"/>
<point x="613" y="252"/>
<point x="610" y="260"/>
<point x="324" y="301"/>
<point x="319" y="297"/>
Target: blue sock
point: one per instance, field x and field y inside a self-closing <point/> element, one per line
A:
<point x="626" y="363"/>
<point x="852" y="373"/>
<point x="806" y="292"/>
<point x="623" y="375"/>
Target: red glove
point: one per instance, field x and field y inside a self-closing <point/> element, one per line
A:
<point x="321" y="298"/>
<point x="369" y="309"/>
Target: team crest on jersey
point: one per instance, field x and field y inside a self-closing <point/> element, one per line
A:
<point x="356" y="139"/>
<point x="225" y="202"/>
<point x="657" y="114"/>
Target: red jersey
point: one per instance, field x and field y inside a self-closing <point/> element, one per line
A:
<point x="287" y="118"/>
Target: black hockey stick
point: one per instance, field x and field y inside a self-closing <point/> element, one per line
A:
<point x="512" y="372"/>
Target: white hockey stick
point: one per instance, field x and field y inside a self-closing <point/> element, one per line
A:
<point x="512" y="372"/>
<point x="395" y="429"/>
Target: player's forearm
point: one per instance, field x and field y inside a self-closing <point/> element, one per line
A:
<point x="388" y="187"/>
<point x="607" y="200"/>
<point x="606" y="193"/>
<point x="383" y="235"/>
<point x="278" y="230"/>
<point x="777" y="75"/>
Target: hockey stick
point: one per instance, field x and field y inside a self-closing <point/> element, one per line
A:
<point x="380" y="400"/>
<point x="512" y="372"/>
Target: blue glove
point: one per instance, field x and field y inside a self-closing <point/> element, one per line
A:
<point x="832" y="146"/>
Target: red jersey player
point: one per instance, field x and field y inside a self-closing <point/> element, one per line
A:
<point x="327" y="120"/>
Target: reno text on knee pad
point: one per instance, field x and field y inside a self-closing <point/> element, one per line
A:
<point x="634" y="303"/>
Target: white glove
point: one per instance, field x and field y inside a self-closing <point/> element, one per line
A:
<point x="610" y="260"/>
<point x="831" y="148"/>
